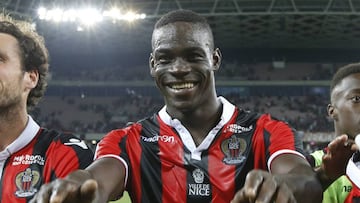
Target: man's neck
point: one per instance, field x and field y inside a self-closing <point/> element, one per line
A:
<point x="12" y="124"/>
<point x="201" y="121"/>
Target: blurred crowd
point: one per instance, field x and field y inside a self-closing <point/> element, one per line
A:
<point x="231" y="70"/>
<point x="84" y="115"/>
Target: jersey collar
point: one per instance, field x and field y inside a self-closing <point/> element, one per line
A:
<point x="227" y="113"/>
<point x="25" y="138"/>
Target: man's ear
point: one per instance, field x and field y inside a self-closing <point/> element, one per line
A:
<point x="332" y="112"/>
<point x="152" y="65"/>
<point x="217" y="56"/>
<point x="31" y="79"/>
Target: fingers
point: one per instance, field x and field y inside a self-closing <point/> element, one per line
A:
<point x="249" y="192"/>
<point x="341" y="146"/>
<point x="284" y="195"/>
<point x="267" y="190"/>
<point x="43" y="195"/>
<point x="88" y="190"/>
<point x="253" y="183"/>
<point x="357" y="141"/>
<point x="261" y="186"/>
<point x="338" y="153"/>
<point x="61" y="191"/>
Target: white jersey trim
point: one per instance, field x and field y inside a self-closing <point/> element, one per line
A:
<point x="280" y="152"/>
<point x="26" y="136"/>
<point x="352" y="172"/>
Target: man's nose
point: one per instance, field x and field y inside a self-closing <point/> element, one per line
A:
<point x="180" y="67"/>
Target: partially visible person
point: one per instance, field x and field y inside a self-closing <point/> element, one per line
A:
<point x="199" y="147"/>
<point x="344" y="109"/>
<point x="353" y="173"/>
<point x="342" y="159"/>
<point x="29" y="154"/>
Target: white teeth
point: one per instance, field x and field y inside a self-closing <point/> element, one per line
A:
<point x="187" y="85"/>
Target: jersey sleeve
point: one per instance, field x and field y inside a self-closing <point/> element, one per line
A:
<point x="115" y="145"/>
<point x="65" y="154"/>
<point x="279" y="138"/>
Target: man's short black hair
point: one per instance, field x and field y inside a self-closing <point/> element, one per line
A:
<point x="188" y="16"/>
<point x="342" y="73"/>
<point x="181" y="16"/>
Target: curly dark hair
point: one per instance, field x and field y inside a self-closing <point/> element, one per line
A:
<point x="33" y="53"/>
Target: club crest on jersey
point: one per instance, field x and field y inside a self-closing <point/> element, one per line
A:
<point x="233" y="148"/>
<point x="198" y="176"/>
<point x="198" y="188"/>
<point x="25" y="182"/>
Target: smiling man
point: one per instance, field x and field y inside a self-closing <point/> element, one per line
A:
<point x="199" y="147"/>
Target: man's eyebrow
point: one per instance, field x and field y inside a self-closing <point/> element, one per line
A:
<point x="355" y="90"/>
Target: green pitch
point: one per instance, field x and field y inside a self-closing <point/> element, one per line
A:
<point x="125" y="199"/>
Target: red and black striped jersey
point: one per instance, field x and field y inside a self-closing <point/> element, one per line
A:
<point x="352" y="172"/>
<point x="164" y="165"/>
<point x="39" y="156"/>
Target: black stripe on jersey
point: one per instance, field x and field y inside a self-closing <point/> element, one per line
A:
<point x="152" y="167"/>
<point x="40" y="147"/>
<point x="266" y="144"/>
<point x="2" y="179"/>
<point x="298" y="136"/>
<point x="245" y="118"/>
<point x="198" y="191"/>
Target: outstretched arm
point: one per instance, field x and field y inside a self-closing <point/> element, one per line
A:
<point x="102" y="181"/>
<point x="291" y="180"/>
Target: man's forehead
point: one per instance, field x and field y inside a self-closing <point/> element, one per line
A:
<point x="347" y="84"/>
<point x="180" y="32"/>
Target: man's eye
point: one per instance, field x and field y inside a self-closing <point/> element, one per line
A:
<point x="195" y="57"/>
<point x="163" y="60"/>
<point x="355" y="98"/>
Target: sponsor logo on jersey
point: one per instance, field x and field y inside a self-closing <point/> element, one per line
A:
<point x="25" y="182"/>
<point x="77" y="142"/>
<point x="28" y="159"/>
<point x="233" y="149"/>
<point x="235" y="128"/>
<point x="157" y="138"/>
<point x="198" y="188"/>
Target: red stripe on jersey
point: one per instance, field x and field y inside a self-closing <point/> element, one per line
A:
<point x="65" y="161"/>
<point x="221" y="175"/>
<point x="283" y="138"/>
<point x="110" y="144"/>
<point x="285" y="141"/>
<point x="173" y="174"/>
<point x="41" y="161"/>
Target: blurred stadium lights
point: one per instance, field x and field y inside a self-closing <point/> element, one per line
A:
<point x="87" y="16"/>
